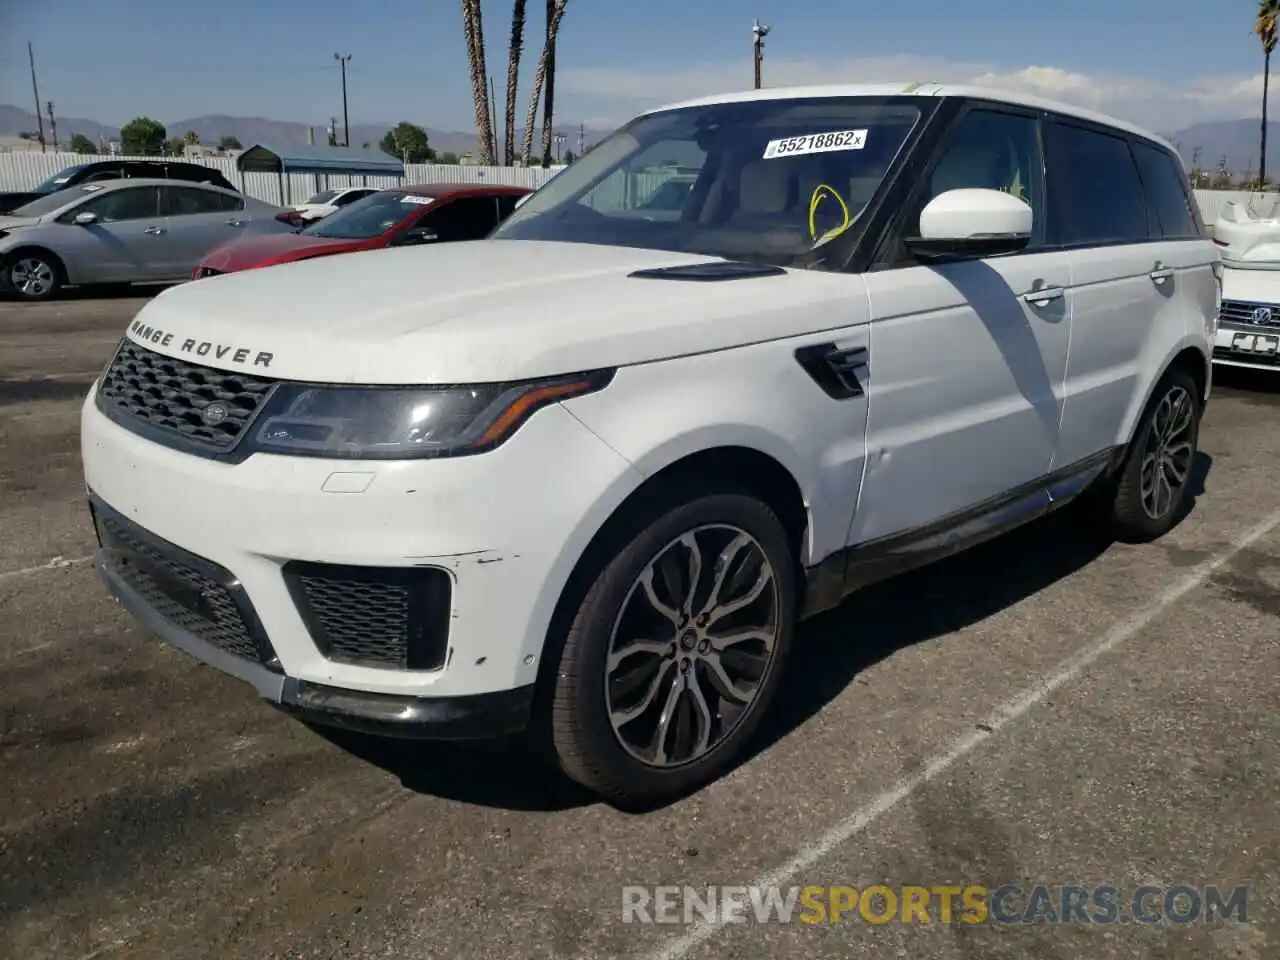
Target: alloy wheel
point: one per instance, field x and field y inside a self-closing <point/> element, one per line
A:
<point x="1166" y="461"/>
<point x="31" y="277"/>
<point x="692" y="645"/>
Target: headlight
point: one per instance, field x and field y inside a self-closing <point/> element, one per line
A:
<point x="392" y="423"/>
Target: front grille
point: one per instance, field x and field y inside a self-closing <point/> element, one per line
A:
<point x="172" y="583"/>
<point x="389" y="618"/>
<point x="1239" y="313"/>
<point x="170" y="397"/>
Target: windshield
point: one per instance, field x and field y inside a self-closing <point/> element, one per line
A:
<point x="59" y="179"/>
<point x="324" y="196"/>
<point x="368" y="217"/>
<point x="770" y="181"/>
<point x="55" y="201"/>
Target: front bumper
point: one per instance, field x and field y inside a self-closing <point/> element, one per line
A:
<point x="498" y="533"/>
<point x="418" y="717"/>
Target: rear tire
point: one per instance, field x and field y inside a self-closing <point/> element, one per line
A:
<point x="31" y="276"/>
<point x="674" y="711"/>
<point x="1154" y="481"/>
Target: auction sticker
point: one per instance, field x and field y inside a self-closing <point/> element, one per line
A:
<point x="415" y="199"/>
<point x="816" y="143"/>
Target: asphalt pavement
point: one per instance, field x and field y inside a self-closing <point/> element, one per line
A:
<point x="1045" y="710"/>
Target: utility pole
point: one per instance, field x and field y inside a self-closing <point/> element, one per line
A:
<point x="53" y="127"/>
<point x="582" y="138"/>
<point x="346" y="125"/>
<point x="758" y="32"/>
<point x="493" y="122"/>
<point x="333" y="131"/>
<point x="31" y="58"/>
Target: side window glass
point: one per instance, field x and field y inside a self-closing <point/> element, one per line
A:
<point x="1097" y="194"/>
<point x="1167" y="194"/>
<point x="134" y="203"/>
<point x="467" y="218"/>
<point x="506" y="206"/>
<point x="176" y="201"/>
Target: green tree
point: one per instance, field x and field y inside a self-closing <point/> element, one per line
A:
<point x="1265" y="25"/>
<point x="568" y="157"/>
<point x="174" y="147"/>
<point x="142" y="137"/>
<point x="408" y="141"/>
<point x="191" y="137"/>
<point x="229" y="142"/>
<point x="448" y="157"/>
<point x="82" y="144"/>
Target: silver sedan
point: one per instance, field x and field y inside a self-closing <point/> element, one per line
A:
<point x="122" y="231"/>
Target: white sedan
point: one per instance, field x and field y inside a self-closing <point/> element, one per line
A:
<point x="327" y="201"/>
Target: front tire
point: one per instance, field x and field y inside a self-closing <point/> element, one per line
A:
<point x="676" y="650"/>
<point x="1154" y="482"/>
<point x="32" y="275"/>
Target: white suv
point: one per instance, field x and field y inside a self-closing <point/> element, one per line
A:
<point x="582" y="478"/>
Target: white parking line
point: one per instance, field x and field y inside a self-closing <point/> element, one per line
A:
<point x="864" y="816"/>
<point x="57" y="563"/>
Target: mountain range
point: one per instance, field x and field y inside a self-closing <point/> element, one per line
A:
<point x="14" y="121"/>
<point x="1202" y="144"/>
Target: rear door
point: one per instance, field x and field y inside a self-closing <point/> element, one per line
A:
<point x="198" y="221"/>
<point x="1123" y="280"/>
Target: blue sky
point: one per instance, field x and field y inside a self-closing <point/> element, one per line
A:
<point x="1167" y="63"/>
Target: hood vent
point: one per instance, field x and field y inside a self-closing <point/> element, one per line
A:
<point x="710" y="271"/>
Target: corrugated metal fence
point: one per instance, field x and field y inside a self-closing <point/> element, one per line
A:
<point x="23" y="170"/>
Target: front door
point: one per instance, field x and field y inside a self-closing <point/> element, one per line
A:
<point x="121" y="245"/>
<point x="968" y="359"/>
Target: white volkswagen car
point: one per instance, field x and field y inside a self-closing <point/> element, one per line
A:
<point x="582" y="478"/>
<point x="1249" y="322"/>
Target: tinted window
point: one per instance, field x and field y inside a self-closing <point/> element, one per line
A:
<point x="1097" y="195"/>
<point x="468" y="218"/>
<point x="131" y="203"/>
<point x="506" y="205"/>
<point x="351" y="196"/>
<point x="993" y="151"/>
<point x="188" y="201"/>
<point x="1166" y="194"/>
<point x="60" y="179"/>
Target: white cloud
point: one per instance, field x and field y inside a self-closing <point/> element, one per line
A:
<point x="615" y="94"/>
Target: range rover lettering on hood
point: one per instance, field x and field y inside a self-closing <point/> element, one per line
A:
<point x="203" y="348"/>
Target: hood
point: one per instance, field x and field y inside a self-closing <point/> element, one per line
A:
<point x="12" y="223"/>
<point x="1248" y="234"/>
<point x="480" y="311"/>
<point x="260" y="250"/>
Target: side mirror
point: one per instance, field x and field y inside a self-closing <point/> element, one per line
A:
<point x="972" y="223"/>
<point x="84" y="219"/>
<point x="419" y="235"/>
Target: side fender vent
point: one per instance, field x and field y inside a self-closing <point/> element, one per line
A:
<point x="711" y="271"/>
<point x="839" y="371"/>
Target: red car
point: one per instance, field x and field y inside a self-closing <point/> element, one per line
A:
<point x="402" y="216"/>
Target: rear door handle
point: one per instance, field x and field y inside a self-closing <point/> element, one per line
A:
<point x="233" y="222"/>
<point x="1038" y="298"/>
<point x="154" y="231"/>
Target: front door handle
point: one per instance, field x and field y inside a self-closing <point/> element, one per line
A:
<point x="233" y="222"/>
<point x="1042" y="296"/>
<point x="1160" y="273"/>
<point x="154" y="231"/>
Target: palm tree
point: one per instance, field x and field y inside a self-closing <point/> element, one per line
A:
<point x="473" y="30"/>
<point x="549" y="94"/>
<point x="555" y="11"/>
<point x="1265" y="27"/>
<point x="514" y="51"/>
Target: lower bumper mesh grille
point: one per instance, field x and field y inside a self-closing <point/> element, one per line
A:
<point x="388" y="618"/>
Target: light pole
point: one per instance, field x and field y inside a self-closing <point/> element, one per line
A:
<point x="346" y="125"/>
<point x="559" y="139"/>
<point x="758" y="32"/>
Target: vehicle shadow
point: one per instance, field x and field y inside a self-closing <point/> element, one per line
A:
<point x="1262" y="386"/>
<point x="829" y="653"/>
<point x="105" y="291"/>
